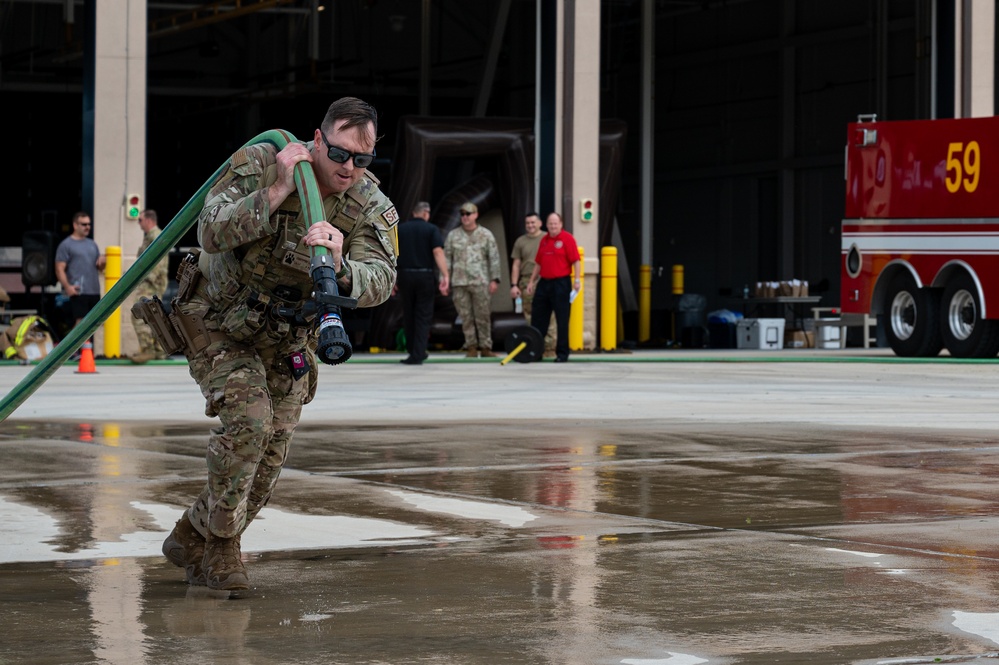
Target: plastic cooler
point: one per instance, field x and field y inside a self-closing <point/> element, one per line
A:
<point x="760" y="334"/>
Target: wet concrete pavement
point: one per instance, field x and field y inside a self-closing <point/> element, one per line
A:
<point x="659" y="509"/>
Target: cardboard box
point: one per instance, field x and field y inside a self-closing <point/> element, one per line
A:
<point x="760" y="334"/>
<point x="799" y="339"/>
<point x="36" y="345"/>
<point x="792" y="288"/>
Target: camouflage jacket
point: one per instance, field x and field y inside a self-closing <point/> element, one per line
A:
<point x="252" y="251"/>
<point x="156" y="280"/>
<point x="472" y="258"/>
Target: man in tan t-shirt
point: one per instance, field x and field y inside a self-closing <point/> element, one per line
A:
<point x="525" y="248"/>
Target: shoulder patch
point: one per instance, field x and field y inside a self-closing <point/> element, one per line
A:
<point x="250" y="160"/>
<point x="239" y="158"/>
<point x="391" y="217"/>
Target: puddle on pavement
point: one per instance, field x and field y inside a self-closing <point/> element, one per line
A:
<point x="29" y="534"/>
<point x="638" y="543"/>
<point x="726" y="477"/>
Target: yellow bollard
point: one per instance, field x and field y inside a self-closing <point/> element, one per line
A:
<point x="576" y="311"/>
<point x="112" y="326"/>
<point x="644" y="302"/>
<point x="677" y="279"/>
<point x="608" y="298"/>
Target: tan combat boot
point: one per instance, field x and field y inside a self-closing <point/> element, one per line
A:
<point x="472" y="352"/>
<point x="142" y="358"/>
<point x="486" y="353"/>
<point x="223" y="566"/>
<point x="185" y="547"/>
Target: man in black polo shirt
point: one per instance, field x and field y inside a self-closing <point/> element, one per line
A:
<point x="420" y="249"/>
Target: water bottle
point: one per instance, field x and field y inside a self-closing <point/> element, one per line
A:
<point x="518" y="305"/>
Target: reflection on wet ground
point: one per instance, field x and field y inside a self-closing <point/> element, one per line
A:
<point x="645" y="543"/>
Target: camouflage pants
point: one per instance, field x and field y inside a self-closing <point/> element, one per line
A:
<point x="527" y="301"/>
<point x="147" y="343"/>
<point x="472" y="303"/>
<point x="259" y="404"/>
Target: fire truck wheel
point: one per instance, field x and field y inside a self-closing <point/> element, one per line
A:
<point x="965" y="333"/>
<point x="912" y="317"/>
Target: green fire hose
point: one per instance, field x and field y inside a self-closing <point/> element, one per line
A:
<point x="334" y="347"/>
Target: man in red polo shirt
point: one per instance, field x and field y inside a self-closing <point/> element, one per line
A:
<point x="557" y="259"/>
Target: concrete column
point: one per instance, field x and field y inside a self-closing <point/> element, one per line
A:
<point x="974" y="73"/>
<point x="579" y="174"/>
<point x="119" y="128"/>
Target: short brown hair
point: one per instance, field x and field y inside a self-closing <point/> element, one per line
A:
<point x="356" y="112"/>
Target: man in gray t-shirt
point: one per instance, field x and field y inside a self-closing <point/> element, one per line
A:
<point x="78" y="263"/>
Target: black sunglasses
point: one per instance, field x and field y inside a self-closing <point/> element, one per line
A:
<point x="340" y="156"/>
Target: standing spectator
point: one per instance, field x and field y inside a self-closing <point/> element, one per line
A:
<point x="558" y="256"/>
<point x="525" y="248"/>
<point x="474" y="267"/>
<point x="421" y="248"/>
<point x="78" y="263"/>
<point x="154" y="284"/>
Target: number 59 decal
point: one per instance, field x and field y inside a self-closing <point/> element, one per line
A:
<point x="971" y="163"/>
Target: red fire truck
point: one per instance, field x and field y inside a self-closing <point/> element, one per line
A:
<point x="920" y="244"/>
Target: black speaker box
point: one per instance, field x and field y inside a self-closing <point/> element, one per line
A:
<point x="38" y="250"/>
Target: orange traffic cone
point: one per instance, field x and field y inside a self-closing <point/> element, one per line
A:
<point x="87" y="359"/>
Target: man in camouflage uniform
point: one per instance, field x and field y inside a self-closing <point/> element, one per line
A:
<point x="256" y="365"/>
<point x="474" y="266"/>
<point x="154" y="284"/>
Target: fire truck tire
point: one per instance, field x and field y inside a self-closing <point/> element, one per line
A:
<point x="912" y="318"/>
<point x="965" y="333"/>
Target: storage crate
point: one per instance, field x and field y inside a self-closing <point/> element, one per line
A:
<point x="760" y="334"/>
<point x="828" y="337"/>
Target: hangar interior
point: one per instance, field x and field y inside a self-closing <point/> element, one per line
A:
<point x="751" y="103"/>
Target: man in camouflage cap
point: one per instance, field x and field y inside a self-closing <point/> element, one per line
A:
<point x="474" y="265"/>
<point x="153" y="284"/>
<point x="255" y="363"/>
